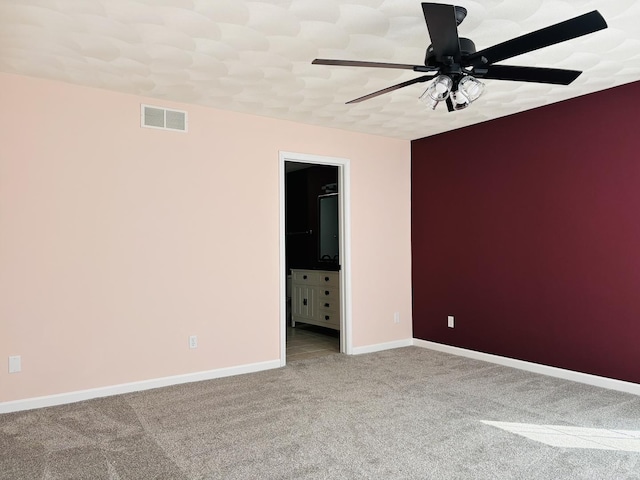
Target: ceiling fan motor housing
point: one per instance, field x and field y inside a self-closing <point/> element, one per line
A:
<point x="467" y="47"/>
<point x="461" y="14"/>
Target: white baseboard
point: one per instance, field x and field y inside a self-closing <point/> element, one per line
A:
<point x="382" y="346"/>
<point x="574" y="376"/>
<point x="78" y="396"/>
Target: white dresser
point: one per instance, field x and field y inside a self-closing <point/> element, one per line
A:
<point x="315" y="298"/>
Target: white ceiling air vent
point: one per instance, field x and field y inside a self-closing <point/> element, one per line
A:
<point x="163" y="118"/>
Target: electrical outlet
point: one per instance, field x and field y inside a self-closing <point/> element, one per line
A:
<point x="15" y="364"/>
<point x="193" y="341"/>
<point x="450" y="321"/>
<point x="396" y="317"/>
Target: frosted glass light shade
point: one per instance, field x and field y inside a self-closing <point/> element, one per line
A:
<point x="470" y="87"/>
<point x="437" y="92"/>
<point x="459" y="99"/>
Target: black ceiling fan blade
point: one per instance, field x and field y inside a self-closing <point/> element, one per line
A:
<point x="443" y="30"/>
<point x="560" y="32"/>
<point x="555" y="76"/>
<point x="356" y="63"/>
<point x="423" y="78"/>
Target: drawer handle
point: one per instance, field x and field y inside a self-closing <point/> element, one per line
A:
<point x="304" y="301"/>
<point x="326" y="279"/>
<point x="326" y="317"/>
<point x="327" y="305"/>
<point x="304" y="277"/>
<point x="326" y="292"/>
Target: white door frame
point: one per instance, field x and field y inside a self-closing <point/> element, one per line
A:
<point x="344" y="188"/>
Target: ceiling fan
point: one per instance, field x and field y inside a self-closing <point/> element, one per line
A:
<point x="455" y="65"/>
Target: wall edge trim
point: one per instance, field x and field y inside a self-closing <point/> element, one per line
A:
<point x="586" y="378"/>
<point x="89" y="394"/>
<point x="378" y="347"/>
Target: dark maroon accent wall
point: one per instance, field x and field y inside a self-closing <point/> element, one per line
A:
<point x="527" y="230"/>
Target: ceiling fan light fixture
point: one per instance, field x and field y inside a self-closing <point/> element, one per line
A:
<point x="470" y="87"/>
<point x="467" y="90"/>
<point x="438" y="91"/>
<point x="459" y="100"/>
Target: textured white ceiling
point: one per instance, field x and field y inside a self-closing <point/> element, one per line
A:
<point x="255" y="56"/>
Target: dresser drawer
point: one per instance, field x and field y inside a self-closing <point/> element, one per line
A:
<point x="329" y="303"/>
<point x="329" y="279"/>
<point x="328" y="293"/>
<point x="308" y="277"/>
<point x="329" y="317"/>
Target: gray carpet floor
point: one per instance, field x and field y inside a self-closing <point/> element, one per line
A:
<point x="408" y="413"/>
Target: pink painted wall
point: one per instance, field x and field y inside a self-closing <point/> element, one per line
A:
<point x="118" y="242"/>
<point x="526" y="229"/>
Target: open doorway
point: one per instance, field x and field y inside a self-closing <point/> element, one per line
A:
<point x="314" y="256"/>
